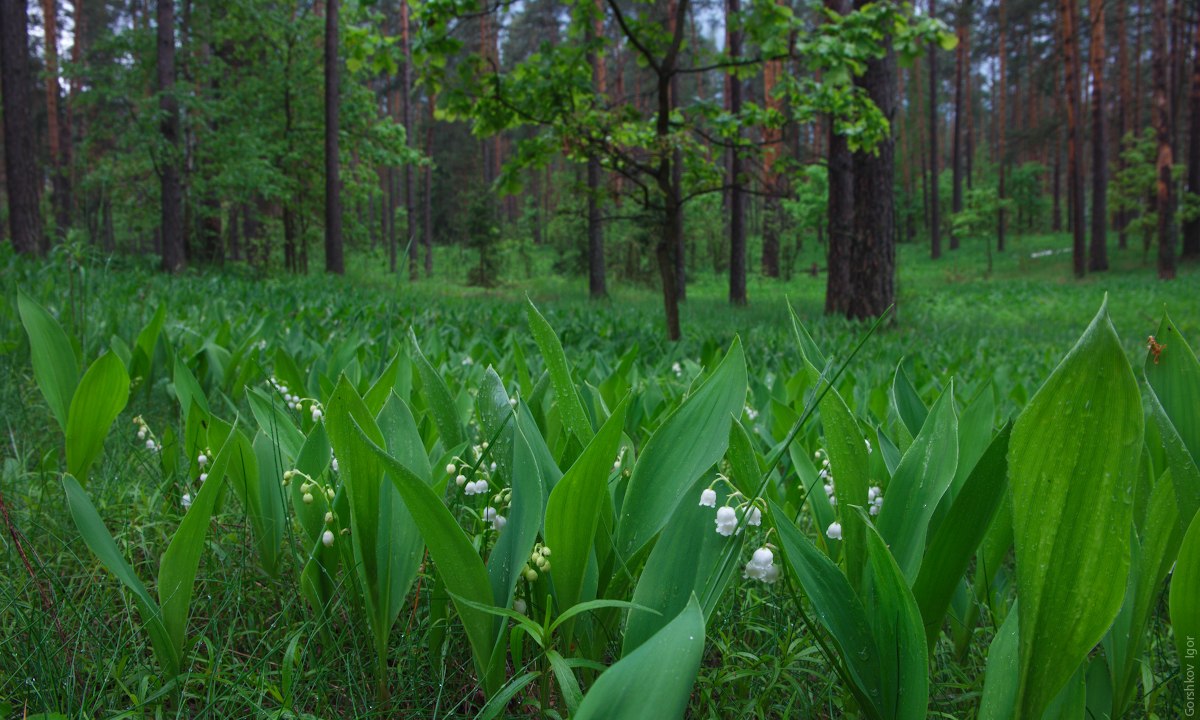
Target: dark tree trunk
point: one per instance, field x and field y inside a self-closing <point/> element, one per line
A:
<point x="1098" y="259"/>
<point x="961" y="68"/>
<point x="1056" y="208"/>
<point x="1070" y="39"/>
<point x="1164" y="200"/>
<point x="935" y="239"/>
<point x="173" y="259"/>
<point x="1001" y="129"/>
<point x="676" y="16"/>
<point x="1191" y="229"/>
<point x="775" y="184"/>
<point x="737" y="202"/>
<point x="597" y="286"/>
<point x="427" y="211"/>
<point x="872" y="248"/>
<point x="841" y="210"/>
<point x="22" y="176"/>
<point x="410" y="203"/>
<point x="57" y="133"/>
<point x="334" y="262"/>
<point x="1123" y="115"/>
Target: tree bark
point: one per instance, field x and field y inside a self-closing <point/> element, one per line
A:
<point x="410" y="208"/>
<point x="57" y="135"/>
<point x="427" y="212"/>
<point x="1098" y="258"/>
<point x="597" y="285"/>
<point x="1071" y="63"/>
<point x="22" y="176"/>
<point x="737" y="203"/>
<point x="1001" y="129"/>
<point x="961" y="68"/>
<point x="1123" y="116"/>
<point x="173" y="258"/>
<point x="1191" y="229"/>
<point x="1164" y="197"/>
<point x="334" y="262"/>
<point x="935" y="239"/>
<point x="841" y="210"/>
<point x="773" y="180"/>
<point x="872" y="249"/>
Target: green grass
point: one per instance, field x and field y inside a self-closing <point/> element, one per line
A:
<point x="69" y="636"/>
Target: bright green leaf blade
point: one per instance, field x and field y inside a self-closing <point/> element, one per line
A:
<point x="922" y="477"/>
<point x="566" y="397"/>
<point x="899" y="635"/>
<point x="99" y="399"/>
<point x="1072" y="462"/>
<point x="571" y="516"/>
<point x="177" y="568"/>
<point x="908" y="403"/>
<point x="954" y="544"/>
<point x="1173" y="374"/>
<point x="55" y="366"/>
<point x="688" y="442"/>
<point x="655" y="681"/>
<point x="457" y="561"/>
<point x="568" y="684"/>
<point x="1185" y="600"/>
<point x="839" y="609"/>
<point x="668" y="583"/>
<point x="275" y="423"/>
<point x="100" y="542"/>
<point x="188" y="390"/>
<point x="146" y="341"/>
<point x="437" y="398"/>
<point x="525" y="514"/>
<point x="1002" y="677"/>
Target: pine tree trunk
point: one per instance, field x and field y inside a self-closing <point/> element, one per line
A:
<point x="737" y="203"/>
<point x="935" y="240"/>
<point x="427" y="212"/>
<point x="1191" y="228"/>
<point x="22" y="176"/>
<point x="597" y="285"/>
<point x="1098" y="258"/>
<point x="1001" y="130"/>
<point x="1070" y="39"/>
<point x="1123" y="115"/>
<point x="334" y="262"/>
<point x="173" y="259"/>
<point x="962" y="61"/>
<point x="55" y="130"/>
<point x="841" y="210"/>
<point x="1164" y="197"/>
<point x="872" y="249"/>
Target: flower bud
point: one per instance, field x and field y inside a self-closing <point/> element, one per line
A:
<point x="327" y="538"/>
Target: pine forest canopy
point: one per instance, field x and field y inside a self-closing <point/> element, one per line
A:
<point x="649" y="142"/>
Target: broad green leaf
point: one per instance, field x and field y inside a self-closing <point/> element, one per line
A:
<point x="525" y="515"/>
<point x="839" y="609"/>
<point x="147" y="340"/>
<point x="1072" y="462"/>
<point x="668" y="583"/>
<point x="177" y="568"/>
<point x="955" y="541"/>
<point x="571" y="512"/>
<point x="922" y="477"/>
<point x="655" y="681"/>
<point x="1185" y="600"/>
<point x="100" y="542"/>
<point x="275" y="423"/>
<point x="908" y="403"/>
<point x="437" y="397"/>
<point x="899" y="635"/>
<point x="1003" y="675"/>
<point x="187" y="389"/>
<point x="567" y="683"/>
<point x="745" y="471"/>
<point x="1151" y="558"/>
<point x="99" y="399"/>
<point x="847" y="450"/>
<point x="687" y="443"/>
<point x="565" y="395"/>
<point x="808" y="348"/>
<point x="458" y="563"/>
<point x="55" y="366"/>
<point x="381" y="558"/>
<point x="1173" y="374"/>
